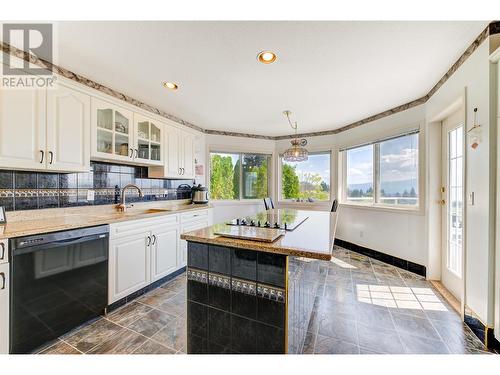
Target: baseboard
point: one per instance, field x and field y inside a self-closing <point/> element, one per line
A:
<point x="484" y="333"/>
<point x="389" y="259"/>
<point x="144" y="290"/>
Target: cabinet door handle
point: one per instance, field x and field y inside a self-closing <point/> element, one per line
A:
<point x="51" y="154"/>
<point x="3" y="250"/>
<point x="149" y="241"/>
<point x="182" y="171"/>
<point x="154" y="239"/>
<point x="136" y="153"/>
<point x="42" y="152"/>
<point x="2" y="275"/>
<point x="131" y="153"/>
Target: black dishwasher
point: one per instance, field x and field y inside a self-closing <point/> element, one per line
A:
<point x="58" y="281"/>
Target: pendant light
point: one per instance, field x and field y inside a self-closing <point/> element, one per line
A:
<point x="297" y="152"/>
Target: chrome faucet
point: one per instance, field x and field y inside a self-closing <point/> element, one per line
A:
<point x="122" y="206"/>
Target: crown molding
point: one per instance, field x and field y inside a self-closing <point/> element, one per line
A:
<point x="492" y="28"/>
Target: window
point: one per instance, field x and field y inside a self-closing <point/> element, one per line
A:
<point x="308" y="180"/>
<point x="360" y="174"/>
<point x="383" y="173"/>
<point x="236" y="176"/>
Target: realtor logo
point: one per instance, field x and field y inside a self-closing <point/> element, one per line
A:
<point x="33" y="38"/>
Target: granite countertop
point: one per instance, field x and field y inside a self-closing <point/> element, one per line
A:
<point x="26" y="223"/>
<point x="312" y="239"/>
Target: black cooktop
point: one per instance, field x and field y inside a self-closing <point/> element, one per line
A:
<point x="276" y="219"/>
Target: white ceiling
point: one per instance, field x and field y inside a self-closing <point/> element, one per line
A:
<point x="328" y="74"/>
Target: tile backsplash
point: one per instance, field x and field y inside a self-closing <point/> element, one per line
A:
<point x="33" y="190"/>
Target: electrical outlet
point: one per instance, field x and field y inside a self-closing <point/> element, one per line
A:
<point x="90" y="195"/>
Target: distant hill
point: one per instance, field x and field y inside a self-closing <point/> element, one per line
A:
<point x="390" y="188"/>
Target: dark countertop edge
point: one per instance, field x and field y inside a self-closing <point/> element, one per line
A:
<point x="248" y="246"/>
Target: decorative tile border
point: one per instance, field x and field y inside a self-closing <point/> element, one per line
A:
<point x="221" y="281"/>
<point x="244" y="286"/>
<point x="197" y="275"/>
<point x="271" y="292"/>
<point x="491" y="29"/>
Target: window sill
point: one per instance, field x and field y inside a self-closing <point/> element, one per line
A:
<point x="374" y="207"/>
<point x="322" y="204"/>
<point x="237" y="202"/>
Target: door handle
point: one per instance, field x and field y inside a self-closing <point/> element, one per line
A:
<point x="51" y="154"/>
<point x="136" y="154"/>
<point x="3" y="250"/>
<point x="182" y="171"/>
<point x="154" y="239"/>
<point x="442" y="202"/>
<point x="149" y="241"/>
<point x="42" y="152"/>
<point x="2" y="275"/>
<point x="131" y="153"/>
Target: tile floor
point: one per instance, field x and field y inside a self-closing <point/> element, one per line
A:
<point x="363" y="306"/>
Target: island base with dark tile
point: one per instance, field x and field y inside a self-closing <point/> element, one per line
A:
<point x="246" y="301"/>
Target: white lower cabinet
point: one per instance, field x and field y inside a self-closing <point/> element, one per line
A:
<point x="4" y="308"/>
<point x="144" y="251"/>
<point x="164" y="251"/>
<point x="129" y="265"/>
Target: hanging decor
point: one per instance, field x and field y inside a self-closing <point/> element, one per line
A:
<point x="474" y="133"/>
<point x="297" y="152"/>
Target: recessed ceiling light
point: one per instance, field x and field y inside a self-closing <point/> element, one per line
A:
<point x="170" y="85"/>
<point x="266" y="57"/>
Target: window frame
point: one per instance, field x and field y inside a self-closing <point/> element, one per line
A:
<point x="376" y="204"/>
<point x="225" y="150"/>
<point x="280" y="180"/>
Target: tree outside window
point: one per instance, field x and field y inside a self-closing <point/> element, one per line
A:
<point x="234" y="175"/>
<point x="308" y="180"/>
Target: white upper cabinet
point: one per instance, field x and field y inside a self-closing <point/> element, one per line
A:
<point x="68" y="130"/>
<point x="148" y="138"/>
<point x="45" y="129"/>
<point x="178" y="155"/>
<point x="187" y="165"/>
<point x="112" y="132"/>
<point x="23" y="129"/>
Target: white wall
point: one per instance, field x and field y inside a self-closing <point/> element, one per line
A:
<point x="401" y="234"/>
<point x="474" y="77"/>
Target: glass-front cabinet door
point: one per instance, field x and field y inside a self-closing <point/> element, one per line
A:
<point x="148" y="137"/>
<point x="112" y="136"/>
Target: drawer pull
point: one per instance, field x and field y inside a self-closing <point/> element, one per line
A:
<point x="2" y="275"/>
<point x="3" y="251"/>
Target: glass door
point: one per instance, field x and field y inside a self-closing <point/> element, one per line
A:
<point x="452" y="202"/>
<point x="113" y="132"/>
<point x="148" y="135"/>
<point x="455" y="199"/>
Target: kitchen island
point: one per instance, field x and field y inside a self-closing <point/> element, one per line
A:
<point x="255" y="295"/>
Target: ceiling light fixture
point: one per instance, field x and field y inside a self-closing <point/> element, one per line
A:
<point x="297" y="152"/>
<point x="170" y="85"/>
<point x="266" y="57"/>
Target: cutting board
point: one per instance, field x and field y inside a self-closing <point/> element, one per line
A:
<point x="249" y="233"/>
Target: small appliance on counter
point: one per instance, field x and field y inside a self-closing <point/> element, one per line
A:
<point x="200" y="194"/>
<point x="184" y="191"/>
